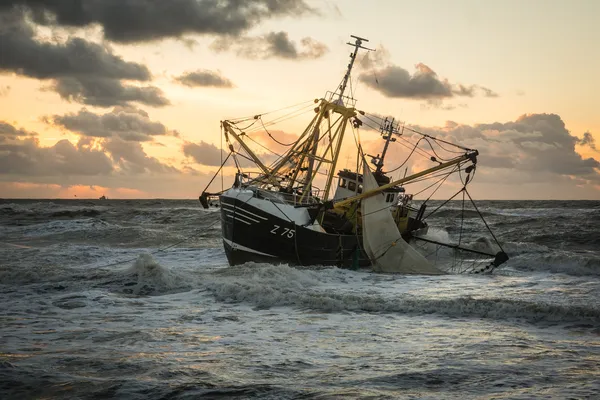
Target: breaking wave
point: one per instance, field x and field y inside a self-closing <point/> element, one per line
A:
<point x="267" y="286"/>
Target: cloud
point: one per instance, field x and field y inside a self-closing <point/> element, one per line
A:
<point x="4" y="90"/>
<point x="271" y="45"/>
<point x="9" y="132"/>
<point x="22" y="155"/>
<point x="103" y="92"/>
<point x="587" y="140"/>
<point x="487" y="92"/>
<point x="533" y="148"/>
<point x="23" y="54"/>
<point x="80" y="71"/>
<point x="131" y="157"/>
<point x="204" y="153"/>
<point x="204" y="78"/>
<point x="131" y="21"/>
<point x="126" y="123"/>
<point x="379" y="73"/>
<point x="208" y="154"/>
<point x="424" y="84"/>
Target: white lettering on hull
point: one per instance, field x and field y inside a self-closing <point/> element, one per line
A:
<point x="236" y="246"/>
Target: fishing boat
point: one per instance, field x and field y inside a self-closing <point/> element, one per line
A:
<point x="302" y="208"/>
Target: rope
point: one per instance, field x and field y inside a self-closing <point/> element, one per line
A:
<point x="217" y="173"/>
<point x="271" y="136"/>
<point x="405" y="161"/>
<point x="264" y="147"/>
<point x="284" y="117"/>
<point x="434" y="152"/>
<point x="244" y="128"/>
<point x="484" y="221"/>
<point x="248" y="118"/>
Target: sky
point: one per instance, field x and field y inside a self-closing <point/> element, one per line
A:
<point x="123" y="98"/>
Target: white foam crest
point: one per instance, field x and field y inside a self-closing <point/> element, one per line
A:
<point x="568" y="263"/>
<point x="540" y="212"/>
<point x="517" y="248"/>
<point x="438" y="234"/>
<point x="265" y="286"/>
<point x="154" y="279"/>
<point x="62" y="226"/>
<point x="434" y="253"/>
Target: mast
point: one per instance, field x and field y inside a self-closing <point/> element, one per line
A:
<point x="387" y="128"/>
<point x="357" y="45"/>
<point x="316" y="132"/>
<point x="299" y="166"/>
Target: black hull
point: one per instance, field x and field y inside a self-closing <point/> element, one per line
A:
<point x="251" y="234"/>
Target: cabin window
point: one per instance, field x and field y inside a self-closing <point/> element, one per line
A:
<point x="351" y="185"/>
<point x="359" y="188"/>
<point x="342" y="183"/>
<point x="389" y="197"/>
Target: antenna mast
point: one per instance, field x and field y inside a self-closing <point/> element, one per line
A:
<point x="357" y="45"/>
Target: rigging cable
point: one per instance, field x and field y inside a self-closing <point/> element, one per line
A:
<point x="438" y="140"/>
<point x="405" y="161"/>
<point x="221" y="154"/>
<point x="442" y="179"/>
<point x="484" y="221"/>
<point x="434" y="152"/>
<point x="419" y="151"/>
<point x="217" y="173"/>
<point x="284" y="117"/>
<point x="271" y="136"/>
<point x="241" y="119"/>
<point x="244" y="128"/>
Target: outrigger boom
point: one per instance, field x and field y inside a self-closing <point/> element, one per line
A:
<point x="471" y="155"/>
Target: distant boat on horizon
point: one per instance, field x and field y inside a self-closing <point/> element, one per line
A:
<point x="103" y="197"/>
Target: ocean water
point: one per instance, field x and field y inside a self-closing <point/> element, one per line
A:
<point x="94" y="305"/>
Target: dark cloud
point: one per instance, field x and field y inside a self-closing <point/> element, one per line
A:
<point x="271" y="45"/>
<point x="439" y="104"/>
<point x="534" y="146"/>
<point x="80" y="71"/>
<point x="587" y="140"/>
<point x="126" y="123"/>
<point x="23" y="54"/>
<point x="204" y="78"/>
<point x="23" y="155"/>
<point x="487" y="92"/>
<point x="131" y="157"/>
<point x="209" y="155"/>
<point x="379" y="73"/>
<point x="129" y="21"/>
<point x="424" y="84"/>
<point x="9" y="132"/>
<point x="394" y="81"/>
<point x="374" y="59"/>
<point x="204" y="153"/>
<point x="103" y="92"/>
